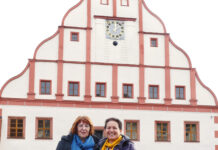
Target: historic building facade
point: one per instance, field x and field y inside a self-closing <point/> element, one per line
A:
<point x="109" y="58"/>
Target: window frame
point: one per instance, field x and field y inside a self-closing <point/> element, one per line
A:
<point x="184" y="92"/>
<point x="105" y="88"/>
<point x="138" y="128"/>
<point x="74" y="33"/>
<point x="168" y="131"/>
<point x="121" y="3"/>
<point x="40" y="91"/>
<point x="149" y="96"/>
<point x="73" y="82"/>
<point x="100" y="128"/>
<point x="197" y="130"/>
<point x="102" y="3"/>
<point x="51" y="127"/>
<point x="24" y="127"/>
<point x="132" y="92"/>
<point x="153" y="39"/>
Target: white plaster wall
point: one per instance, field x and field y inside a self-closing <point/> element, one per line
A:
<point x="128" y="75"/>
<point x="203" y="96"/>
<point x="155" y="76"/>
<point x="62" y="125"/>
<point x="17" y="88"/>
<point x="103" y="50"/>
<point x="46" y="71"/>
<point x="154" y="55"/>
<point x="102" y="10"/>
<point x="74" y="50"/>
<point x="74" y="72"/>
<point x="180" y="78"/>
<point x="177" y="58"/>
<point x="78" y="16"/>
<point x="100" y="73"/>
<point x="130" y="11"/>
<point x="49" y="50"/>
<point x="150" y="23"/>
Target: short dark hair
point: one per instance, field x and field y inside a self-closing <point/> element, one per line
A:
<point x="113" y="119"/>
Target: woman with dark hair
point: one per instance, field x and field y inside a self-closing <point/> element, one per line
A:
<point x="80" y="137"/>
<point x="114" y="140"/>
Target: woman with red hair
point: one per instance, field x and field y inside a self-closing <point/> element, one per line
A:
<point x="81" y="136"/>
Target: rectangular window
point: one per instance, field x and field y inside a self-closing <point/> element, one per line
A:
<point x="162" y="131"/>
<point x="74" y="36"/>
<point x="127" y="90"/>
<point x="124" y="2"/>
<point x="16" y="127"/>
<point x="180" y="92"/>
<point x="100" y="90"/>
<point x="191" y="132"/>
<point x="153" y="91"/>
<point x="45" y="87"/>
<point x="104" y="2"/>
<point x="73" y="89"/>
<point x="43" y="128"/>
<point x="154" y="42"/>
<point x="99" y="132"/>
<point x="132" y="129"/>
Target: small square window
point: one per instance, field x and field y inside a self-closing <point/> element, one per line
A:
<point x="127" y="90"/>
<point x="43" y="128"/>
<point x="100" y="90"/>
<point x="73" y="89"/>
<point x="154" y="42"/>
<point x="16" y="127"/>
<point x="180" y="92"/>
<point x="132" y="129"/>
<point x="74" y="36"/>
<point x="45" y="87"/>
<point x="124" y="2"/>
<point x="191" y="132"/>
<point x="162" y="131"/>
<point x="153" y="91"/>
<point x="104" y="2"/>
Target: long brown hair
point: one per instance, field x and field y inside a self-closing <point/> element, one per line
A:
<point x="85" y="119"/>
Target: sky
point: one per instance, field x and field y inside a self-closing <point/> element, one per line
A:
<point x="192" y="25"/>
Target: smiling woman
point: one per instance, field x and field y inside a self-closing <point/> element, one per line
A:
<point x="114" y="140"/>
<point x="80" y="137"/>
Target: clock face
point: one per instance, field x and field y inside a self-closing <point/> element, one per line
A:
<point x="114" y="30"/>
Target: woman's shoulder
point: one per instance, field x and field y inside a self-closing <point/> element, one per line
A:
<point x="126" y="143"/>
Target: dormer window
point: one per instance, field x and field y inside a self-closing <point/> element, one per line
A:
<point x="74" y="36"/>
<point x="154" y="42"/>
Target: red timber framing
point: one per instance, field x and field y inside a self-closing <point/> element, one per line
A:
<point x="87" y="96"/>
<point x="141" y="98"/>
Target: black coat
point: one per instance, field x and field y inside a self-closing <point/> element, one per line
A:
<point x="66" y="141"/>
<point x="125" y="144"/>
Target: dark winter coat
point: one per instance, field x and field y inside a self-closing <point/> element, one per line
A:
<point x="125" y="144"/>
<point x="66" y="141"/>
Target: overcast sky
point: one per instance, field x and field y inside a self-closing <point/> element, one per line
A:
<point x="192" y="24"/>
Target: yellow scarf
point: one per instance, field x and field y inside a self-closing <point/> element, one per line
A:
<point x="111" y="145"/>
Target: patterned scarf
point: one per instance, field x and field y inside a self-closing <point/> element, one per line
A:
<point x="111" y="145"/>
<point x="77" y="144"/>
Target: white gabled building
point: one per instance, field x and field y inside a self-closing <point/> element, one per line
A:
<point x="109" y="58"/>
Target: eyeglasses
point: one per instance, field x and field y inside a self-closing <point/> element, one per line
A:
<point x="83" y="125"/>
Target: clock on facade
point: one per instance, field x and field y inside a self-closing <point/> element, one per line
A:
<point x="114" y="30"/>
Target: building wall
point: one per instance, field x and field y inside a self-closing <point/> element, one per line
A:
<point x="61" y="126"/>
<point x="94" y="59"/>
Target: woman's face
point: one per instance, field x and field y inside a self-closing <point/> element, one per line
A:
<point x="112" y="131"/>
<point x="83" y="129"/>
